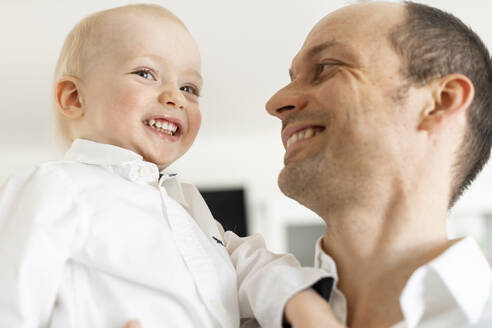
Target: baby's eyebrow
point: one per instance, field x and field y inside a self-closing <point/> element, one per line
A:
<point x="152" y="57"/>
<point x="193" y="73"/>
<point x="196" y="75"/>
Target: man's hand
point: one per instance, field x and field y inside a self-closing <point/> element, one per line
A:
<point x="133" y="324"/>
<point x="307" y="309"/>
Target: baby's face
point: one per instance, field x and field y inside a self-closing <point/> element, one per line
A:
<point x="140" y="87"/>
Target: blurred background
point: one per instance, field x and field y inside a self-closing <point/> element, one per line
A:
<point x="247" y="47"/>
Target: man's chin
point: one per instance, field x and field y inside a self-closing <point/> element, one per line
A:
<point x="283" y="185"/>
<point x="302" y="181"/>
<point x="291" y="182"/>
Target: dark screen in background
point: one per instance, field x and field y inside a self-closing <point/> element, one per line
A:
<point x="228" y="206"/>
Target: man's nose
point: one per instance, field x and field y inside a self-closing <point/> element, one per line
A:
<point x="286" y="101"/>
<point x="172" y="97"/>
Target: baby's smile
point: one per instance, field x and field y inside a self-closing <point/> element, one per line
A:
<point x="163" y="125"/>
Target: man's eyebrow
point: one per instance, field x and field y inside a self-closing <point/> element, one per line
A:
<point x="323" y="46"/>
<point x="315" y="50"/>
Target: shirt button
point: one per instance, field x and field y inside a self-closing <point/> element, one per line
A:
<point x="145" y="171"/>
<point x="133" y="174"/>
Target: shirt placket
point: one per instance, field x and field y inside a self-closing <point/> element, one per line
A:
<point x="195" y="256"/>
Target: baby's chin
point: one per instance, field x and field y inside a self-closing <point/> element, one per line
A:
<point x="161" y="156"/>
<point x="161" y="163"/>
<point x="162" y="166"/>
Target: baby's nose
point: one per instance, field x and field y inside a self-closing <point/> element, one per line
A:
<point x="173" y="98"/>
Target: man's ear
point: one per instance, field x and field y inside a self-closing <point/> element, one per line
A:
<point x="452" y="96"/>
<point x="68" y="98"/>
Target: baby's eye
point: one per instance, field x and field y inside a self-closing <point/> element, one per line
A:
<point x="146" y="74"/>
<point x="190" y="89"/>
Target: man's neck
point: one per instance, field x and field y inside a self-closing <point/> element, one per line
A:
<point x="377" y="248"/>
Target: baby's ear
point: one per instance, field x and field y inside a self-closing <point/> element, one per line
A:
<point x="67" y="97"/>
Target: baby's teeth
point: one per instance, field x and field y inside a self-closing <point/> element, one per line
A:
<point x="163" y="126"/>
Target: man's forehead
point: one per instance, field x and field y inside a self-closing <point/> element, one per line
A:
<point x="351" y="29"/>
<point x="357" y="21"/>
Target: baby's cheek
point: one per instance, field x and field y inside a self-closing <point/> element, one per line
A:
<point x="195" y="121"/>
<point x="128" y="99"/>
<point x="198" y="120"/>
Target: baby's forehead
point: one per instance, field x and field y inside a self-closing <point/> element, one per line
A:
<point x="116" y="29"/>
<point x="120" y="22"/>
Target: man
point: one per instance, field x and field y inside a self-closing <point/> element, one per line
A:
<point x="387" y="120"/>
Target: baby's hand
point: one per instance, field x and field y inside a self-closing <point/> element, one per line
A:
<point x="133" y="324"/>
<point x="307" y="309"/>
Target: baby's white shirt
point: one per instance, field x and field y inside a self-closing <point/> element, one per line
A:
<point x="100" y="238"/>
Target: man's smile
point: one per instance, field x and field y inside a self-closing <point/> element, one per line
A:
<point x="297" y="133"/>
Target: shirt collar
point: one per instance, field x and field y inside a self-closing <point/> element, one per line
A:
<point x="126" y="164"/>
<point x="172" y="186"/>
<point x="460" y="276"/>
<point x="120" y="161"/>
<point x="325" y="261"/>
<point x="91" y="152"/>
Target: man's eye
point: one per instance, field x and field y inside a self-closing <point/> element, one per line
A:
<point x="146" y="74"/>
<point x="323" y="67"/>
<point x="190" y="89"/>
<point x="325" y="70"/>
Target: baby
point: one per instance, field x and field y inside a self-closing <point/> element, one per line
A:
<point x="106" y="234"/>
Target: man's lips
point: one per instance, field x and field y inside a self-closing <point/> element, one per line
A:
<point x="299" y="131"/>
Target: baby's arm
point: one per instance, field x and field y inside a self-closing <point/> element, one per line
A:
<point x="266" y="281"/>
<point x="35" y="238"/>
<point x="308" y="309"/>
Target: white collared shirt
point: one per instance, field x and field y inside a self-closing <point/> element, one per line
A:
<point x="99" y="238"/>
<point x="452" y="291"/>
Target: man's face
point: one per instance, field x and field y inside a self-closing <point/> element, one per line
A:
<point x="140" y="87"/>
<point x="344" y="118"/>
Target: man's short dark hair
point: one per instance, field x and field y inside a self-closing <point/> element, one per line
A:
<point x="433" y="44"/>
